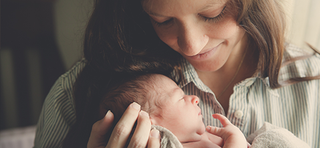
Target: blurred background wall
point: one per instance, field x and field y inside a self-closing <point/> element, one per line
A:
<point x="303" y="22"/>
<point x="41" y="39"/>
<point x="30" y="60"/>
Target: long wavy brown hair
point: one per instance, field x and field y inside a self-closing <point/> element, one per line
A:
<point x="265" y="22"/>
<point x="120" y="42"/>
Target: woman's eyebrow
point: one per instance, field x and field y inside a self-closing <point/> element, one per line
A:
<point x="155" y="14"/>
<point x="210" y="6"/>
<point x="148" y="11"/>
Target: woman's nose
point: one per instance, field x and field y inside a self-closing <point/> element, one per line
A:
<point x="195" y="100"/>
<point x="191" y="39"/>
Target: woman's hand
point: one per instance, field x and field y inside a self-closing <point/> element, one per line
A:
<point x="141" y="138"/>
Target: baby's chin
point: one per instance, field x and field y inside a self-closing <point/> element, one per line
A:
<point x="201" y="130"/>
<point x="194" y="136"/>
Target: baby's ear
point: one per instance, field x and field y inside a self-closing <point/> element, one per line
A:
<point x="153" y="120"/>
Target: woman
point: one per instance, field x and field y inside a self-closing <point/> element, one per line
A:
<point x="232" y="54"/>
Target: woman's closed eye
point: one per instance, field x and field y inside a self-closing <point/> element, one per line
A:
<point x="216" y="18"/>
<point x="166" y="22"/>
<point x="211" y="19"/>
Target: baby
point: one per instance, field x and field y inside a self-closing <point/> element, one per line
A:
<point x="170" y="108"/>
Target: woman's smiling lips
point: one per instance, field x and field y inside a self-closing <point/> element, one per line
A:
<point x="204" y="55"/>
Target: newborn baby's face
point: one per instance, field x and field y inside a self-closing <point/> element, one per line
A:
<point x="180" y="113"/>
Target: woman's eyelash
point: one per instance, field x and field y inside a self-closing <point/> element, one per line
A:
<point x="216" y="18"/>
<point x="163" y="23"/>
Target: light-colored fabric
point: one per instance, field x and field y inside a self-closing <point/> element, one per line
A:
<point x="294" y="107"/>
<point x="168" y="139"/>
<point x="17" y="137"/>
<point x="271" y="136"/>
<point x="268" y="136"/>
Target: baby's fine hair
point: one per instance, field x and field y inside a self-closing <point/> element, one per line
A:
<point x="139" y="89"/>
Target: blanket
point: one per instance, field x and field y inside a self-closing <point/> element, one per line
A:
<point x="168" y="139"/>
<point x="271" y="136"/>
<point x="268" y="136"/>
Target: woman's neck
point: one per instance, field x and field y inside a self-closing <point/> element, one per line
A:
<point x="221" y="81"/>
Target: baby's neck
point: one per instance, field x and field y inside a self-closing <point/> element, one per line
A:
<point x="204" y="142"/>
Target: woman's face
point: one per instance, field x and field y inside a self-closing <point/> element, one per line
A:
<point x="203" y="31"/>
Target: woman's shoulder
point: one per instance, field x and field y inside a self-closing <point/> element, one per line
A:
<point x="75" y="70"/>
<point x="293" y="50"/>
<point x="59" y="107"/>
<point x="299" y="62"/>
<point x="63" y="86"/>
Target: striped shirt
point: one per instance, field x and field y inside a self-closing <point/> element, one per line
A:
<point x="295" y="107"/>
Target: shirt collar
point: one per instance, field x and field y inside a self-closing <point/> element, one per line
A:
<point x="190" y="76"/>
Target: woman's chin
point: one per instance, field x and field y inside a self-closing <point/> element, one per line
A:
<point x="205" y="66"/>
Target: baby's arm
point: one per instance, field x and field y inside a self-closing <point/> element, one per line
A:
<point x="232" y="136"/>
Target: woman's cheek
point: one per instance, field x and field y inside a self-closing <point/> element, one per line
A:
<point x="225" y="29"/>
<point x="167" y="36"/>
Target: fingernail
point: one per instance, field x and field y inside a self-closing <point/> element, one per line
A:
<point x="108" y="114"/>
<point x="135" y="105"/>
<point x="208" y="128"/>
<point x="154" y="133"/>
<point x="143" y="113"/>
<point x="214" y="116"/>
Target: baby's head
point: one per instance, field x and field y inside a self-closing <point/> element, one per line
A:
<point x="165" y="102"/>
<point x="140" y="89"/>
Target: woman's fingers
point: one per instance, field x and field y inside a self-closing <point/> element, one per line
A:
<point x="121" y="132"/>
<point x="154" y="139"/>
<point x="141" y="134"/>
<point x="123" y="128"/>
<point x="99" y="129"/>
